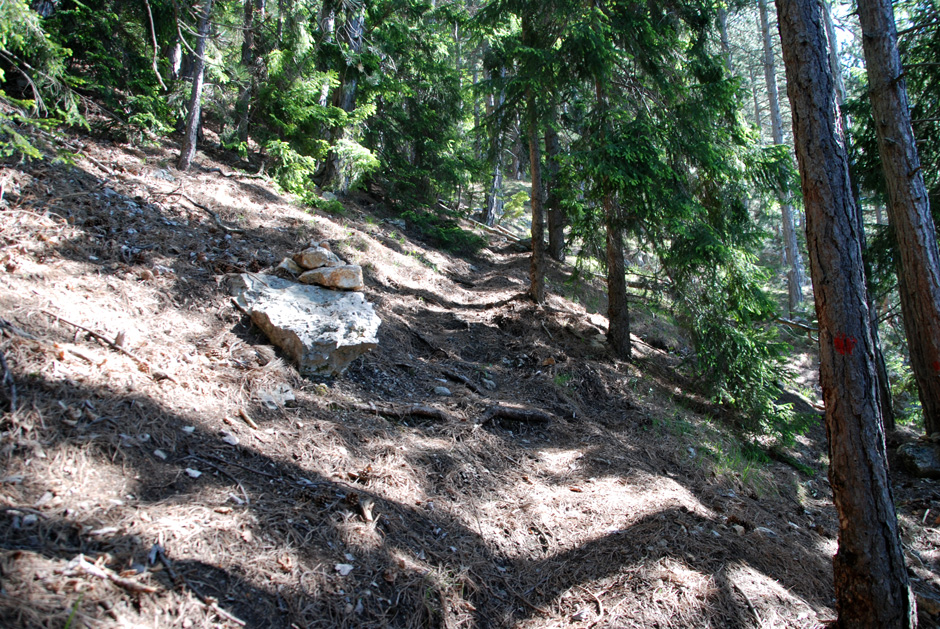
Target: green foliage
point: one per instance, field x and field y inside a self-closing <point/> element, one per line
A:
<point x="514" y="209"/>
<point x="293" y="171"/>
<point x="444" y="232"/>
<point x="357" y="161"/>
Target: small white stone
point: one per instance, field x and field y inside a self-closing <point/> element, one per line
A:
<point x="442" y="391"/>
<point x="193" y="473"/>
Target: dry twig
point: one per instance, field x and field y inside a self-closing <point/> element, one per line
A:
<point x="81" y="564"/>
<point x="215" y="217"/>
<point x="155" y="374"/>
<point x="404" y="410"/>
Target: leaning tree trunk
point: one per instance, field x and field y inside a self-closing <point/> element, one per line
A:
<point x="790" y="246"/>
<point x="835" y="67"/>
<point x="908" y="205"/>
<point x="871" y="580"/>
<point x="191" y="132"/>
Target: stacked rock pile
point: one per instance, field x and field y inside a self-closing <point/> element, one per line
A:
<point x="318" y="265"/>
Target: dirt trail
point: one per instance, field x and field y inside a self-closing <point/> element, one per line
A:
<point x="626" y="509"/>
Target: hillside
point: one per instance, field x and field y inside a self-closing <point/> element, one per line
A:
<point x="632" y="506"/>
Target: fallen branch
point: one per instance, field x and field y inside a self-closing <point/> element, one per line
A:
<point x="215" y="217"/>
<point x="81" y="564"/>
<point x="248" y="420"/>
<point x="146" y="367"/>
<point x="400" y="411"/>
<point x="456" y="377"/>
<point x="515" y="413"/>
<point x="796" y="325"/>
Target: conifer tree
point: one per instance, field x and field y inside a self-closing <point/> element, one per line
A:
<point x="871" y="580"/>
<point x="908" y="203"/>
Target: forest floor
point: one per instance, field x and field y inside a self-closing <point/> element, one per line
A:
<point x="134" y="493"/>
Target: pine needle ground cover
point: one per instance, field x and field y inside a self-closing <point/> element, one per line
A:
<point x="135" y="491"/>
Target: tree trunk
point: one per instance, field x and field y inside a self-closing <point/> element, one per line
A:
<point x="493" y="202"/>
<point x="791" y="248"/>
<point x="871" y="580"/>
<point x="618" y="313"/>
<point x="758" y="119"/>
<point x="908" y="205"/>
<point x="327" y="28"/>
<point x="835" y="67"/>
<point x="723" y="32"/>
<point x="554" y="211"/>
<point x="344" y="97"/>
<point x="537" y="262"/>
<point x="243" y="106"/>
<point x="191" y="132"/>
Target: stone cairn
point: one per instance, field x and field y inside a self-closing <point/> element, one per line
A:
<point x="312" y="310"/>
<point x="318" y="265"/>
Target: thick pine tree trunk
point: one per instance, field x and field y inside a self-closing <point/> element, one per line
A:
<point x="908" y="205"/>
<point x="871" y="580"/>
<point x="191" y="132"/>
<point x="791" y="248"/>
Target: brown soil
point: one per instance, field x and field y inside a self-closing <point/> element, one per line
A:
<point x="629" y="508"/>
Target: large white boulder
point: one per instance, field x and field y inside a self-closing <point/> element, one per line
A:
<point x="322" y="330"/>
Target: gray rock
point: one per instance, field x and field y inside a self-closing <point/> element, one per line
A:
<point x="920" y="459"/>
<point x="315" y="257"/>
<point x="290" y="266"/>
<point x="321" y="330"/>
<point x="489" y="384"/>
<point x="442" y="390"/>
<point x="346" y="277"/>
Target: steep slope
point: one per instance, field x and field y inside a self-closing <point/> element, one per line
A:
<point x="627" y="507"/>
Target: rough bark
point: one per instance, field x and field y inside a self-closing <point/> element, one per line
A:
<point x="908" y="205"/>
<point x="553" y="209"/>
<point x="537" y="262"/>
<point x="871" y="580"/>
<point x="618" y="313"/>
<point x="191" y="131"/>
<point x="794" y="262"/>
<point x="884" y="384"/>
